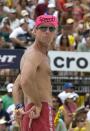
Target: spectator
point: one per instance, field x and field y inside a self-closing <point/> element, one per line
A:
<point x="21" y="5"/>
<point x="79" y="122"/>
<point x="67" y="30"/>
<point x="67" y="88"/>
<point x="8" y="99"/>
<point x="4" y="114"/>
<point x="64" y="44"/>
<point x="41" y="8"/>
<point x="31" y="4"/>
<point x="60" y="5"/>
<point x="72" y="36"/>
<point x="86" y="21"/>
<point x="9" y="3"/>
<point x="77" y="10"/>
<point x="21" y="36"/>
<point x="51" y="9"/>
<point x="11" y="111"/>
<point x="6" y="30"/>
<point x="84" y="47"/>
<point x="80" y="33"/>
<point x="2" y="13"/>
<point x="56" y="103"/>
<point x="2" y="42"/>
<point x="61" y="126"/>
<point x="67" y="110"/>
<point x="87" y="101"/>
<point x="69" y="9"/>
<point x="25" y="14"/>
<point x="87" y="106"/>
<point x="13" y="20"/>
<point x="3" y="126"/>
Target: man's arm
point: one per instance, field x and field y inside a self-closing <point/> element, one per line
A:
<point x="17" y="92"/>
<point x="29" y="79"/>
<point x="18" y="41"/>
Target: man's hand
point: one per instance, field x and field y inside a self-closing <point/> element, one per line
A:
<point x="33" y="113"/>
<point x="18" y="115"/>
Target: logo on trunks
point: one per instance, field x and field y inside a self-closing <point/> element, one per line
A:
<point x="47" y="19"/>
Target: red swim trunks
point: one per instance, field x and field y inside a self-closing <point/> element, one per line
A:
<point x="43" y="123"/>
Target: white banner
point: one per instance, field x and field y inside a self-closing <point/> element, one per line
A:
<point x="69" y="61"/>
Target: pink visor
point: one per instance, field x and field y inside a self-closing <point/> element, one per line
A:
<point x="46" y="19"/>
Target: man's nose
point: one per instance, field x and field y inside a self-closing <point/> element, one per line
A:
<point x="47" y="30"/>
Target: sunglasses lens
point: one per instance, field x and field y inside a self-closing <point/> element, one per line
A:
<point x="51" y="29"/>
<point x="44" y="28"/>
<point x="82" y="121"/>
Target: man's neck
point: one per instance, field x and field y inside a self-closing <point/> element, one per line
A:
<point x="41" y="48"/>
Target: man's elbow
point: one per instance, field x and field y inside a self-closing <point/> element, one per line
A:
<point x="27" y="79"/>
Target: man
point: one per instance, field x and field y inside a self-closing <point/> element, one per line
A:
<point x="21" y="36"/>
<point x="67" y="88"/>
<point x="3" y="126"/>
<point x="12" y="17"/>
<point x="84" y="47"/>
<point x="8" y="99"/>
<point x="26" y="15"/>
<point x="34" y="79"/>
<point x="4" y="115"/>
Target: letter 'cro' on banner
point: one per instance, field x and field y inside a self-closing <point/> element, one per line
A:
<point x="69" y="61"/>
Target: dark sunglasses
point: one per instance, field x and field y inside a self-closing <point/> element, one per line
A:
<point x="54" y="101"/>
<point x="44" y="28"/>
<point x="81" y="120"/>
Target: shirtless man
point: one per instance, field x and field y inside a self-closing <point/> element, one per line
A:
<point x="34" y="79"/>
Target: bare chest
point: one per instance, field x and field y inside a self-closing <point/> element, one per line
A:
<point x="45" y="66"/>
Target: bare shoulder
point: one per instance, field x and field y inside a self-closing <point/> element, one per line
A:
<point x="31" y="55"/>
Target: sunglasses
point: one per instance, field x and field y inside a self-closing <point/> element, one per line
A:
<point x="54" y="101"/>
<point x="45" y="28"/>
<point x="81" y="120"/>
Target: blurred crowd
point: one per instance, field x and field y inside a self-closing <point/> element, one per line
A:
<point x="69" y="113"/>
<point x="17" y="20"/>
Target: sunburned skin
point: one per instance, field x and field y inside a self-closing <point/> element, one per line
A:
<point x="39" y="64"/>
<point x="33" y="93"/>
